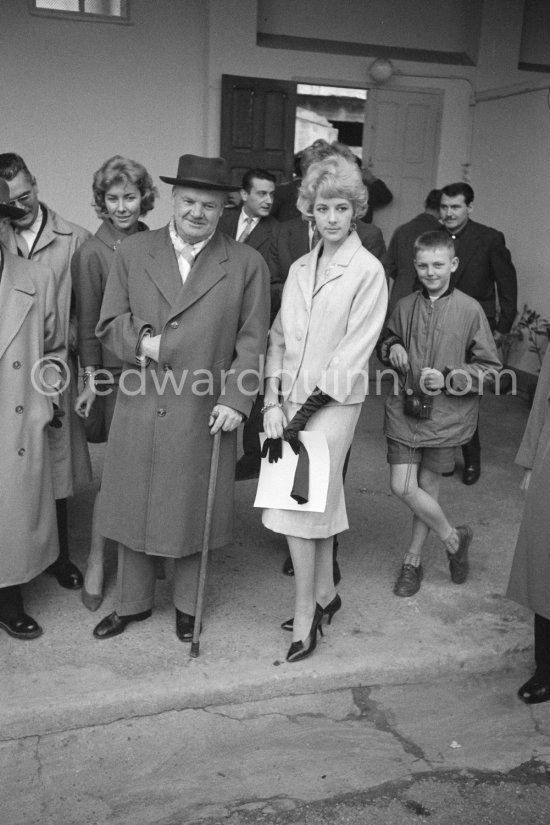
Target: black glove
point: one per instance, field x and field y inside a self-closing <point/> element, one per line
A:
<point x="274" y="448"/>
<point x="300" y="485"/>
<point x="316" y="400"/>
<point x="58" y="414"/>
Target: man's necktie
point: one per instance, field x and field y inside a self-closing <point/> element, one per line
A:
<point x="246" y="231"/>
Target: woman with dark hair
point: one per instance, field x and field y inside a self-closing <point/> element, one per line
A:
<point x="123" y="191"/>
<point x="332" y="311"/>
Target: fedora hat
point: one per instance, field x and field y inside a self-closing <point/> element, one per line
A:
<point x="6" y="210"/>
<point x="202" y="173"/>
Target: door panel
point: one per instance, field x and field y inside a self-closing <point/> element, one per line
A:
<point x="401" y="144"/>
<point x="257" y="127"/>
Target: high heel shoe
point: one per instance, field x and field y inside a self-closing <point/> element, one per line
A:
<point x="331" y="608"/>
<point x="297" y="650"/>
<point x="90" y="600"/>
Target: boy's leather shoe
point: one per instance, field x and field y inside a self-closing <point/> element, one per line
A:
<point x="114" y="625"/>
<point x="408" y="581"/>
<point x="458" y="562"/>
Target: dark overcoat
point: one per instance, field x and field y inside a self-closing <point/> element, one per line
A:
<point x="530" y="575"/>
<point x="29" y="331"/>
<point x="485" y="272"/>
<point x="155" y="477"/>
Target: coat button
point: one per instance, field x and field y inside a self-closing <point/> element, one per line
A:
<point x="166" y="367"/>
<point x="16" y="365"/>
<point x="21" y="451"/>
<point x="19" y="409"/>
<point x="298" y="336"/>
<point x="161" y="413"/>
<point x="174" y="324"/>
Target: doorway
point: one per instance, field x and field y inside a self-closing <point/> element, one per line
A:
<point x="394" y="131"/>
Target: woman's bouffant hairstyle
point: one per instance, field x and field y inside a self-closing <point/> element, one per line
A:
<point x="119" y="171"/>
<point x="333" y="177"/>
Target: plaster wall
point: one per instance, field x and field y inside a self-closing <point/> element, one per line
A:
<point x="512" y="185"/>
<point x="74" y="93"/>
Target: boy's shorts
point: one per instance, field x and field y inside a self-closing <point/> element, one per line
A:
<point x="436" y="459"/>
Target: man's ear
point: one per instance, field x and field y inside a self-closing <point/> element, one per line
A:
<point x="244" y="195"/>
<point x="454" y="264"/>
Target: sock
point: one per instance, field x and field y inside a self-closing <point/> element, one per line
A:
<point x="452" y="541"/>
<point x="412" y="559"/>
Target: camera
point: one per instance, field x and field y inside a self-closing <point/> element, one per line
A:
<point x="417" y="405"/>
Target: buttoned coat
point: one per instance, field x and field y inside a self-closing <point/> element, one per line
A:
<point x="261" y="238"/>
<point x="530" y="575"/>
<point x="155" y="477"/>
<point x="55" y="247"/>
<point x="90" y="267"/>
<point x="29" y="331"/>
<point x="324" y="334"/>
<point x="485" y="271"/>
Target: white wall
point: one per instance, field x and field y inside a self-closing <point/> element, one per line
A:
<point x="233" y="50"/>
<point x="72" y="94"/>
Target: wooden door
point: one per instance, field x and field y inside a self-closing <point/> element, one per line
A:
<point x="258" y="122"/>
<point x="401" y="144"/>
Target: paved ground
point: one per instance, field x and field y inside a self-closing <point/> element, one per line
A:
<point x="67" y="684"/>
<point x="461" y="749"/>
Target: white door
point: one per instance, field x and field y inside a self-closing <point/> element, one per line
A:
<point x="401" y="145"/>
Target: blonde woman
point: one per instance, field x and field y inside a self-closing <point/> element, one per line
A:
<point x="332" y="311"/>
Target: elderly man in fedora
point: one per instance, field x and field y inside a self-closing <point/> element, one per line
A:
<point x="186" y="309"/>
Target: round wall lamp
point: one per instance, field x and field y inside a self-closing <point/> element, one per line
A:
<point x="381" y="70"/>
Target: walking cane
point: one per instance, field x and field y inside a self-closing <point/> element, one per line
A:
<point x="194" y="652"/>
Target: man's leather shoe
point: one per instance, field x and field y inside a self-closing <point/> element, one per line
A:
<point x="471" y="473"/>
<point x="458" y="562"/>
<point x="67" y="574"/>
<point x="536" y="690"/>
<point x="408" y="581"/>
<point x="113" y="624"/>
<point x="24" y="627"/>
<point x="185" y="626"/>
<point x="246" y="469"/>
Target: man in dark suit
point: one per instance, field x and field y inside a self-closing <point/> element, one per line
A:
<point x="253" y="225"/>
<point x="295" y="238"/>
<point x="486" y="273"/>
<point x="399" y="261"/>
<point x="286" y="194"/>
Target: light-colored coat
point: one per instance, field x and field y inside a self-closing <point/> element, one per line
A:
<point x="155" y="477"/>
<point x="29" y="331"/>
<point x="530" y="576"/>
<point x="55" y="247"/>
<point x="324" y="335"/>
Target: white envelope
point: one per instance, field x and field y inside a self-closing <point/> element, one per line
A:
<point x="276" y="480"/>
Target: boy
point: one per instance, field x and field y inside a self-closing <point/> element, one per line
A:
<point x="441" y="344"/>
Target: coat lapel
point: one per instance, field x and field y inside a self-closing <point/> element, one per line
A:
<point x="16" y="299"/>
<point x="162" y="267"/>
<point x="207" y="270"/>
<point x="341" y="260"/>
